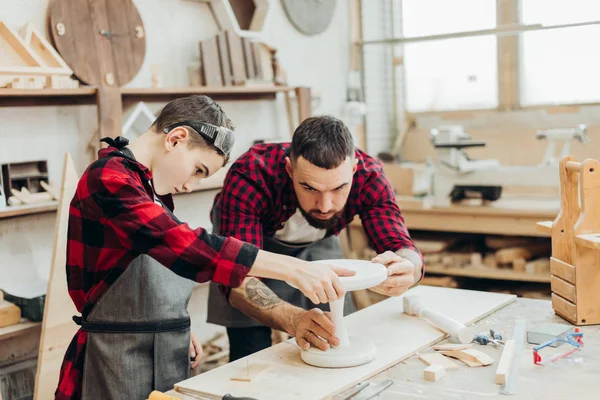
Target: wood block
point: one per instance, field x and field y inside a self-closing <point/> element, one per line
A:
<point x="508" y="255"/>
<point x="476" y="259"/>
<point x="490" y="261"/>
<point x="9" y="314"/>
<point x="538" y="266"/>
<point x="505" y="360"/>
<point x="562" y="270"/>
<point x="434" y="372"/>
<point x="211" y="67"/>
<point x="252" y="372"/>
<point x="437" y="359"/>
<point x="563" y="288"/>
<point x="519" y="264"/>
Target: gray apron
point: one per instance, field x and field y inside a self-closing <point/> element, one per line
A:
<point x="138" y="334"/>
<point x="220" y="312"/>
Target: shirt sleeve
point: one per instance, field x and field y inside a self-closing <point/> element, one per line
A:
<point x="240" y="209"/>
<point x="145" y="227"/>
<point x="381" y="217"/>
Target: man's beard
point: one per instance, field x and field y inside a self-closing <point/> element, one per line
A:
<point x="321" y="223"/>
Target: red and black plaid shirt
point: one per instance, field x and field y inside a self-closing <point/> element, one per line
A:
<point x="113" y="218"/>
<point x="258" y="197"/>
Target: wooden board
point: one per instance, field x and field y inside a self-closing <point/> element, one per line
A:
<point x="248" y="59"/>
<point x="236" y="58"/>
<point x="58" y="327"/>
<point x="224" y="59"/>
<point x="211" y="64"/>
<point x="110" y="58"/>
<point x="396" y="335"/>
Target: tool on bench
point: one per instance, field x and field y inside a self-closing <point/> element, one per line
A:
<point x="356" y="389"/>
<point x="495" y="339"/>
<point x="372" y="390"/>
<point x="573" y="338"/>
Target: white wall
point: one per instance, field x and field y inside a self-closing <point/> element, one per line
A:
<point x="173" y="29"/>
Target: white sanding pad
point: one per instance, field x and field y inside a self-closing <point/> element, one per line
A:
<point x="358" y="352"/>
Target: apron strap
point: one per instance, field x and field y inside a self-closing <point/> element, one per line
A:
<point x="133" y="327"/>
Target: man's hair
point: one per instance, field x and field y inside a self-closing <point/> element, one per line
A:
<point x="193" y="108"/>
<point x="324" y="141"/>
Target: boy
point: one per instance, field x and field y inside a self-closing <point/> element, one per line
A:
<point x="131" y="264"/>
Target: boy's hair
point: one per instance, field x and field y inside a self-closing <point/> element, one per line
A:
<point x="324" y="141"/>
<point x="193" y="108"/>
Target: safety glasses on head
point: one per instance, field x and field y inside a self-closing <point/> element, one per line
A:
<point x="219" y="136"/>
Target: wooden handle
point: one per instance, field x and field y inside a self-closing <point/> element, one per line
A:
<point x="573" y="166"/>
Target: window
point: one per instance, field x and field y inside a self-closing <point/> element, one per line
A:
<point x="560" y="65"/>
<point x="450" y="74"/>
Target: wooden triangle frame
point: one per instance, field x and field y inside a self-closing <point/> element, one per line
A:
<point x="44" y="50"/>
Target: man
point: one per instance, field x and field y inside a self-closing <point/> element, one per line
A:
<point x="294" y="199"/>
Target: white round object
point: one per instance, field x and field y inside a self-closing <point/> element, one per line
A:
<point x="358" y="352"/>
<point x="368" y="274"/>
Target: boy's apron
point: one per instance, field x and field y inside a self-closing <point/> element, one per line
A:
<point x="138" y="336"/>
<point x="220" y="312"/>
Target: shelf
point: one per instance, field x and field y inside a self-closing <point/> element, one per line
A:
<point x="16" y="211"/>
<point x="133" y="95"/>
<point x="489" y="273"/>
<point x="47" y="97"/>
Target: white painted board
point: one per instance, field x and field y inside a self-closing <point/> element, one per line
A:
<point x="396" y="335"/>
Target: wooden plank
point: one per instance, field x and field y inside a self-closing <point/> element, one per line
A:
<point x="58" y="327"/>
<point x="562" y="270"/>
<point x="304" y="99"/>
<point x="507" y="13"/>
<point x="248" y="59"/>
<point x="564" y="308"/>
<point x="17" y="211"/>
<point x="110" y="110"/>
<point x="438" y="359"/>
<point x="489" y="273"/>
<point x="19" y="342"/>
<point x="380" y="323"/>
<point x="236" y="55"/>
<point x="505" y="361"/>
<point x="563" y="288"/>
<point x="211" y="68"/>
<point x="224" y="60"/>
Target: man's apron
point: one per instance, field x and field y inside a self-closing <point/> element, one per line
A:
<point x="220" y="312"/>
<point x="138" y="336"/>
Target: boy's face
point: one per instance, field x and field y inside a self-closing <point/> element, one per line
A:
<point x="179" y="167"/>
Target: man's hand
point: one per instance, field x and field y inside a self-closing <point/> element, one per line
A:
<point x="315" y="327"/>
<point x="195" y="350"/>
<point x="401" y="274"/>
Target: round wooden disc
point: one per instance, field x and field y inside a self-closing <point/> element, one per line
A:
<point x="309" y="16"/>
<point x="103" y="41"/>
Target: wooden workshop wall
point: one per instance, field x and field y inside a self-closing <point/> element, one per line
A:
<point x="173" y="30"/>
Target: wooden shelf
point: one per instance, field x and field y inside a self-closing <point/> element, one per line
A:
<point x="489" y="273"/>
<point x="133" y="95"/>
<point x="47" y="97"/>
<point x="16" y="211"/>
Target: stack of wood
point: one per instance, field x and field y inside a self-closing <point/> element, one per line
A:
<point x="215" y="352"/>
<point x="30" y="62"/>
<point x="230" y="60"/>
<point x="520" y="254"/>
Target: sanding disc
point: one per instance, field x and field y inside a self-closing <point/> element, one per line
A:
<point x="102" y="41"/>
<point x="309" y="16"/>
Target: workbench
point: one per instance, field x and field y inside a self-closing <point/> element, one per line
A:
<point x="510" y="215"/>
<point x="574" y="377"/>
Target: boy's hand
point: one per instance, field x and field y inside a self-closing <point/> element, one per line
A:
<point x="195" y="350"/>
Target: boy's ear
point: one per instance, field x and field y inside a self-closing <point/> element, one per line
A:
<point x="176" y="138"/>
